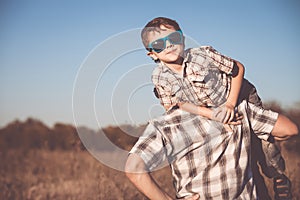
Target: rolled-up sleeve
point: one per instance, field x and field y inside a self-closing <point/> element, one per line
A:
<point x="261" y="120"/>
<point x="163" y="87"/>
<point x="150" y="147"/>
<point x="224" y="63"/>
<point x="166" y="96"/>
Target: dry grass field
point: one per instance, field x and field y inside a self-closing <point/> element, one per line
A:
<point x="61" y="175"/>
<point x="38" y="163"/>
<point x="43" y="174"/>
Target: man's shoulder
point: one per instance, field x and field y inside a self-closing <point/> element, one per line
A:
<point x="172" y="117"/>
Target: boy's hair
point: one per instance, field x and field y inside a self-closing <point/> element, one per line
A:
<point x="154" y="25"/>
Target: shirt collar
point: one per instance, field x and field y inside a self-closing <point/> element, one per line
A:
<point x="187" y="59"/>
<point x="187" y="56"/>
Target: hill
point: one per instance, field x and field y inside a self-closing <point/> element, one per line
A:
<point x="33" y="134"/>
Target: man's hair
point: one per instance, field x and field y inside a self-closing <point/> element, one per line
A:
<point x="155" y="25"/>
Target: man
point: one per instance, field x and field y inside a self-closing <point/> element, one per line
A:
<point x="205" y="82"/>
<point x="206" y="159"/>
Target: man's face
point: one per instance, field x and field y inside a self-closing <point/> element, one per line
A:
<point x="172" y="53"/>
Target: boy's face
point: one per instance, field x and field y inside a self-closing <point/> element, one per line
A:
<point x="172" y="53"/>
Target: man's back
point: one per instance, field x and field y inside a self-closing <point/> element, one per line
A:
<point x="204" y="157"/>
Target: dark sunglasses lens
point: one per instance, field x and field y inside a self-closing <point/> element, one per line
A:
<point x="175" y="38"/>
<point x="158" y="45"/>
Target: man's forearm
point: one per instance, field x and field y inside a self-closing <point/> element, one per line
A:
<point x="145" y="183"/>
<point x="135" y="171"/>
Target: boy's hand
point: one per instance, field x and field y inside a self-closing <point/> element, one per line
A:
<point x="225" y="114"/>
<point x="237" y="120"/>
<point x="194" y="197"/>
<point x="229" y="109"/>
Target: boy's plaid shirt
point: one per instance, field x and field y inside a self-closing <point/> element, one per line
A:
<point x="204" y="157"/>
<point x="206" y="80"/>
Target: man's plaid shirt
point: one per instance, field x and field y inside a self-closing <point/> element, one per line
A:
<point x="204" y="157"/>
<point x="206" y="80"/>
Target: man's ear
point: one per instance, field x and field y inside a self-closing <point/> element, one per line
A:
<point x="152" y="55"/>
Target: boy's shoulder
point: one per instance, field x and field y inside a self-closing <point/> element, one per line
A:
<point x="159" y="69"/>
<point x="198" y="54"/>
<point x="160" y="74"/>
<point x="199" y="50"/>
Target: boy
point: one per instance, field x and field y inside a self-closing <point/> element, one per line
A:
<point x="203" y="82"/>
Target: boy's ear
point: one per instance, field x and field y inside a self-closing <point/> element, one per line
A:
<point x="152" y="55"/>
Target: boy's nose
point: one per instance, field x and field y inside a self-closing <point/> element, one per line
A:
<point x="168" y="44"/>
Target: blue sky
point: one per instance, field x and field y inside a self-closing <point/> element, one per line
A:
<point x="44" y="44"/>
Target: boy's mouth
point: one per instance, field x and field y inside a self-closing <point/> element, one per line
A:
<point x="170" y="51"/>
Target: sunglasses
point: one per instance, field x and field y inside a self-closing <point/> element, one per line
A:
<point x="160" y="44"/>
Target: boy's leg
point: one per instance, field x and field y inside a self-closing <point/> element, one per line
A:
<point x="272" y="163"/>
<point x="283" y="129"/>
<point x="274" y="160"/>
<point x="272" y="169"/>
<point x="258" y="159"/>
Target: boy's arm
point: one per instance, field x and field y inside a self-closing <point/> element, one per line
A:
<point x="217" y="114"/>
<point x="213" y="114"/>
<point x="236" y="83"/>
<point x="228" y="65"/>
<point x="197" y="110"/>
<point x="168" y="101"/>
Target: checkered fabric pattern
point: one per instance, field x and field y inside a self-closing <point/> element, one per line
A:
<point x="206" y="80"/>
<point x="205" y="158"/>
